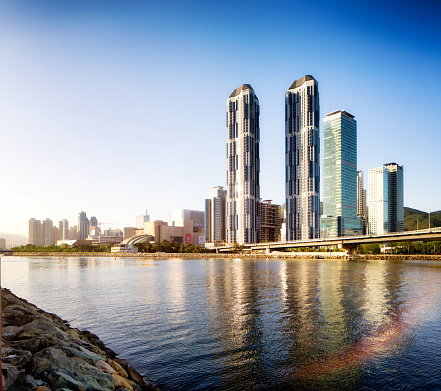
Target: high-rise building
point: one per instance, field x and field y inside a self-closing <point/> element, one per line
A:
<point x="243" y="188"/>
<point x="47" y="232"/>
<point x="270" y="222"/>
<point x="83" y="226"/>
<point x="63" y="227"/>
<point x="2" y="244"/>
<point x="396" y="197"/>
<point x="302" y="160"/>
<point x="361" y="201"/>
<point x="386" y="199"/>
<point x="215" y="215"/>
<point x="340" y="176"/>
<point x="378" y="201"/>
<point x="35" y="232"/>
<point x="140" y="220"/>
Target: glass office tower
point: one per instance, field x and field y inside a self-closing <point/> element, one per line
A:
<point x="340" y="176"/>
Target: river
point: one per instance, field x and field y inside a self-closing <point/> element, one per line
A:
<point x="224" y="324"/>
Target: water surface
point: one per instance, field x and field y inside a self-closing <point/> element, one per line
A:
<point x="221" y="324"/>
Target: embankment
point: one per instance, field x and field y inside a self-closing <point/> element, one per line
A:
<point x="42" y="352"/>
<point x="273" y="255"/>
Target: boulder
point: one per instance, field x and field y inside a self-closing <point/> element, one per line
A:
<point x="15" y="357"/>
<point x="119" y="381"/>
<point x="105" y="367"/>
<point x="42" y="327"/>
<point x="135" y="376"/>
<point x="118" y="368"/>
<point x="10" y="332"/>
<point x="62" y="379"/>
<point x="83" y="353"/>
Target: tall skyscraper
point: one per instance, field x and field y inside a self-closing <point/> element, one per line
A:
<point x="83" y="226"/>
<point x="35" y="232"/>
<point x="340" y="176"/>
<point x="215" y="215"/>
<point x="361" y="201"/>
<point x="243" y="188"/>
<point x="302" y="160"/>
<point x="386" y="199"/>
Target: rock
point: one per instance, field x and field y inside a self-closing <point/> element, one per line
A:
<point x="122" y="361"/>
<point x="119" y="381"/>
<point x="39" y="366"/>
<point x="33" y="345"/>
<point x="42" y="327"/>
<point x="83" y="353"/>
<point x="118" y="368"/>
<point x="135" y="376"/>
<point x="10" y="332"/>
<point x="10" y="375"/>
<point x="61" y="379"/>
<point x="42" y="388"/>
<point x="15" y="357"/>
<point x="105" y="367"/>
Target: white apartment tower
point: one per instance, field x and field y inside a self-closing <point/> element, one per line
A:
<point x="386" y="199"/>
<point x="378" y="201"/>
<point x="243" y="189"/>
<point x="302" y="160"/>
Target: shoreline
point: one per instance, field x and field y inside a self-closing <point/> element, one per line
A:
<point x="41" y="352"/>
<point x="273" y="255"/>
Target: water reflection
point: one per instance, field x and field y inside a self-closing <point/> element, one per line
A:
<point x="250" y="324"/>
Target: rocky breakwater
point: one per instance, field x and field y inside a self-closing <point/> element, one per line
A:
<point x="42" y="352"/>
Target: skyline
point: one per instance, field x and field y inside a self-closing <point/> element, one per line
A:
<point x="113" y="108"/>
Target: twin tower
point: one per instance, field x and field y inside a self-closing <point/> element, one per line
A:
<point x="302" y="163"/>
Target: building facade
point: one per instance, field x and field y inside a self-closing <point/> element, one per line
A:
<point x="83" y="226"/>
<point x="386" y="199"/>
<point x="340" y="176"/>
<point x="197" y="217"/>
<point x="141" y="219"/>
<point x="362" y="201"/>
<point x="270" y="222"/>
<point x="396" y="197"/>
<point x="302" y="160"/>
<point x="243" y="166"/>
<point x="35" y="232"/>
<point x="378" y="201"/>
<point x="215" y="215"/>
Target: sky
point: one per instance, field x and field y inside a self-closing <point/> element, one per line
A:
<point x="117" y="107"/>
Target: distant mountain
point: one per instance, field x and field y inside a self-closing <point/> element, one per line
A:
<point x="414" y="218"/>
<point x="14" y="239"/>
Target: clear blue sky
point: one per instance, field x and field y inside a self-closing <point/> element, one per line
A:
<point x="114" y="107"/>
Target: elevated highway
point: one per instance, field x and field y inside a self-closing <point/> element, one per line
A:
<point x="348" y="243"/>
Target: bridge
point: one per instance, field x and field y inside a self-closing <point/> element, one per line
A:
<point x="347" y="243"/>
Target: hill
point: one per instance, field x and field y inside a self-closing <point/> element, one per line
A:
<point x="414" y="218"/>
<point x="14" y="239"/>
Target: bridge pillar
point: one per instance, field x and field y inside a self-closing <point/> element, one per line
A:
<point x="347" y="247"/>
<point x="268" y="250"/>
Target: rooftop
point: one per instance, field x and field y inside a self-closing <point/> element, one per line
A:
<point x="243" y="87"/>
<point x="301" y="81"/>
